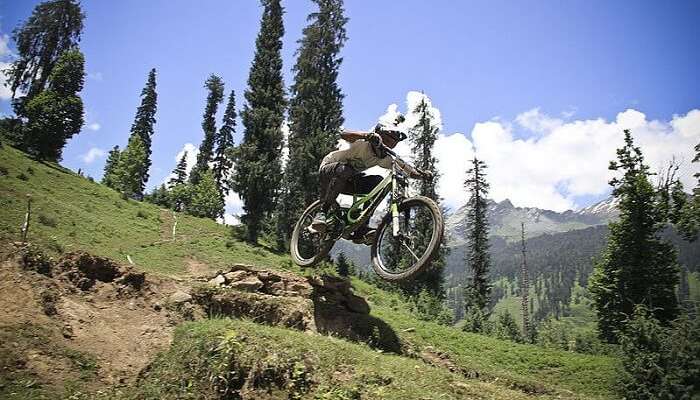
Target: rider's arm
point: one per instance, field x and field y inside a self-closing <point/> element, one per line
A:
<point x="351" y="136"/>
<point x="412" y="172"/>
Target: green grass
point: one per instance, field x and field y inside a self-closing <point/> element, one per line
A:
<point x="71" y="213"/>
<point x="525" y="366"/>
<point x="274" y="362"/>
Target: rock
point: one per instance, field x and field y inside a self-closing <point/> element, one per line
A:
<point x="177" y="298"/>
<point x="357" y="304"/>
<point x="157" y="306"/>
<point x="251" y="284"/>
<point x="218" y="281"/>
<point x="235" y="276"/>
<point x="67" y="331"/>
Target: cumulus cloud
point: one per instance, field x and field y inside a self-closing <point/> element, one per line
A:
<point x="94" y="126"/>
<point x="553" y="162"/>
<point x="5" y="92"/>
<point x="92" y="155"/>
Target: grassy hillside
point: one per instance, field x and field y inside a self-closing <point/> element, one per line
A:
<point x="70" y="213"/>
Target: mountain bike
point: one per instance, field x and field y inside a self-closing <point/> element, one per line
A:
<point x="406" y="239"/>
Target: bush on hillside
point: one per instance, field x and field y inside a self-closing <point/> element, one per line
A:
<point x="660" y="362"/>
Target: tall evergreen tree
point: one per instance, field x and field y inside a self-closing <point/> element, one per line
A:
<point x="689" y="219"/>
<point x="109" y="176"/>
<point x="180" y="171"/>
<point x="636" y="267"/>
<point x="215" y="86"/>
<point x="53" y="28"/>
<point x="524" y="286"/>
<point x="422" y="138"/>
<point x="315" y="111"/>
<point x="478" y="289"/>
<point x="224" y="145"/>
<point x="56" y="114"/>
<point x="143" y="128"/>
<point x="258" y="171"/>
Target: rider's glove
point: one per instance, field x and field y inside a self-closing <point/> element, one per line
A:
<point x="374" y="138"/>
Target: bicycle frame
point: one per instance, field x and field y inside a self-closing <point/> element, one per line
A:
<point x="393" y="183"/>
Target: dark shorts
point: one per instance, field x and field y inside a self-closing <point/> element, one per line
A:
<point x="336" y="178"/>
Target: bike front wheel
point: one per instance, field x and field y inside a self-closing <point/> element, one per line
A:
<point x="308" y="248"/>
<point x="421" y="228"/>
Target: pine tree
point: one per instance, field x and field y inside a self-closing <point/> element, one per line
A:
<point x="478" y="289"/>
<point x="422" y="138"/>
<point x="56" y="114"/>
<point x="258" y="158"/>
<point x="130" y="169"/>
<point x="688" y="223"/>
<point x="145" y="119"/>
<point x="159" y="196"/>
<point x="215" y="86"/>
<point x="53" y="28"/>
<point x="342" y="266"/>
<point x="524" y="286"/>
<point x="180" y="171"/>
<point x="636" y="267"/>
<point x="315" y="111"/>
<point x="109" y="176"/>
<point x="204" y="198"/>
<point x="224" y="146"/>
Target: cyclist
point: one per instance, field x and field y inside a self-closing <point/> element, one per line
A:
<point x="341" y="171"/>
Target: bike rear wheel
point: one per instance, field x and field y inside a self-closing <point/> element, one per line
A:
<point x="308" y="248"/>
<point x="421" y="230"/>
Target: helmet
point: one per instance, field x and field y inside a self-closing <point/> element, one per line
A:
<point x="392" y="130"/>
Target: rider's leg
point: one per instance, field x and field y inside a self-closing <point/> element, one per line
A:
<point x="364" y="185"/>
<point x="333" y="178"/>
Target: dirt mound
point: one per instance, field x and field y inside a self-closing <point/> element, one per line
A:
<point x="323" y="304"/>
<point x="81" y="318"/>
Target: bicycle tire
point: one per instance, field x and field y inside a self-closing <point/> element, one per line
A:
<point x="424" y="261"/>
<point x="294" y="244"/>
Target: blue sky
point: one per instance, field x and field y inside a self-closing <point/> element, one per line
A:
<point x="575" y="62"/>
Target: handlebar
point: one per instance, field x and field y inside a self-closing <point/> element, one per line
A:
<point x="396" y="157"/>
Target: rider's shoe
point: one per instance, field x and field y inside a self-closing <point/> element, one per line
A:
<point x="318" y="225"/>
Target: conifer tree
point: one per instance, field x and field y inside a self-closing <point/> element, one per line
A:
<point x="342" y="266"/>
<point x="258" y="171"/>
<point x="109" y="176"/>
<point x="315" y="111"/>
<point x="635" y="267"/>
<point x="524" y="286"/>
<point x="146" y="117"/>
<point x="56" y="114"/>
<point x="477" y="289"/>
<point x="180" y="171"/>
<point x="422" y="138"/>
<point x="53" y="28"/>
<point x="224" y="146"/>
<point x="689" y="217"/>
<point x="215" y="86"/>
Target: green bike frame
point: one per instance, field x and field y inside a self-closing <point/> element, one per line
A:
<point x="357" y="214"/>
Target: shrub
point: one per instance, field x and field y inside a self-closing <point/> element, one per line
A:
<point x="660" y="362"/>
<point x="141" y="214"/>
<point x="506" y="328"/>
<point x="22" y="176"/>
<point x="30" y="170"/>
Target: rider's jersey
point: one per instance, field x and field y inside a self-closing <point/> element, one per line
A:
<point x="361" y="156"/>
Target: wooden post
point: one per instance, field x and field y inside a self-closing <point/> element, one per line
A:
<point x="25" y="226"/>
<point x="174" y="224"/>
<point x="524" y="287"/>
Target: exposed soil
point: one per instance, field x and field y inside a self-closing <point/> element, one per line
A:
<point x="86" y="308"/>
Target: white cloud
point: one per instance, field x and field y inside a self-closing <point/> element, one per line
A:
<point x="556" y="161"/>
<point x="92" y="155"/>
<point x="192" y="152"/>
<point x="5" y="92"/>
<point x="4" y="48"/>
<point x="94" y="126"/>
